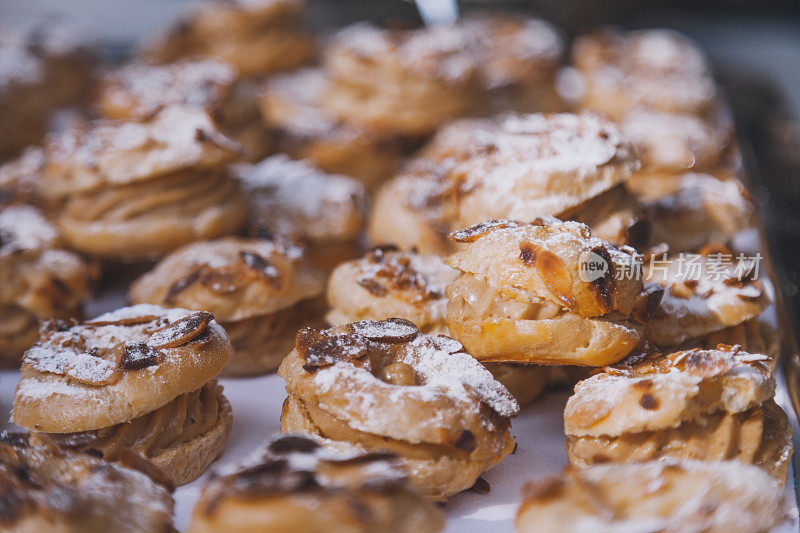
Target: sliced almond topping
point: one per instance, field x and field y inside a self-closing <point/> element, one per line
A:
<point x="556" y="277"/>
<point x="181" y="331"/>
<point x="473" y="233"/>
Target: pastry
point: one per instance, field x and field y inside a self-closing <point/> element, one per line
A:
<point x="292" y="199"/>
<point x="657" y="69"/>
<point x="518" y="167"/>
<point x="725" y="497"/>
<point x="521" y="167"/>
<point x="45" y="66"/>
<point x="401" y="82"/>
<point x="409" y="210"/>
<point x="138" y="91"/>
<point x="38" y="280"/>
<point x="46" y="488"/>
<point x="519" y="59"/>
<point x="388" y="283"/>
<point x="300" y="484"/>
<point x="673" y="143"/>
<point x="386" y="387"/>
<point x="705" y="404"/>
<point x="546" y="293"/>
<point x="20" y="178"/>
<point x="257" y="37"/>
<point x="137" y="190"/>
<point x="701" y="210"/>
<point x="291" y="105"/>
<point x="138" y="379"/>
<point x="260" y="291"/>
<point x="702" y="294"/>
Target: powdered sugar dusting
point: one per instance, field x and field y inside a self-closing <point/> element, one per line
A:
<point x="22" y="227"/>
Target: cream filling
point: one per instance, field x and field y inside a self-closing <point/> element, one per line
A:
<point x="185" y="418"/>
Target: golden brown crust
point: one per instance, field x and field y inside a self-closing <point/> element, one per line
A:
<point x="52" y="489"/>
<point x="256" y="37"/>
<point x="303" y="484"/>
<point x="662" y="391"/>
<point x="116" y="367"/>
<point x="418" y="406"/>
<point x="655" y="496"/>
<point x="524" y="382"/>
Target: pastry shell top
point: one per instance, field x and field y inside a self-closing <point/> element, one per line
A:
<point x="118" y="153"/>
<point x="233" y="278"/>
<point x="713" y="497"/>
<point x="544" y="260"/>
<point x="525" y="166"/>
<point x="116" y="367"/>
<point x="662" y="391"/>
<point x="52" y="489"/>
<point x="138" y="90"/>
<point x="295" y="200"/>
<point x="388" y="283"/>
<point x="386" y="378"/>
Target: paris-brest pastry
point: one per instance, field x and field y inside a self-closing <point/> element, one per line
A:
<point x="384" y="386"/>
<point x="138" y="190"/>
<point x="298" y="483"/>
<point x="293" y="200"/>
<point x="655" y="496"/>
<point x="291" y="105"/>
<point x="706" y="404"/>
<point x="526" y="294"/>
<point x="257" y="37"/>
<point x="138" y="91"/>
<point x="38" y="279"/>
<point x="404" y="82"/>
<point x="516" y="167"/>
<point x="262" y="292"/>
<point x="139" y="379"/>
<point x="50" y="488"/>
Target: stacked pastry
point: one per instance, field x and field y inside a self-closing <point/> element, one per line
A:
<point x="546" y="292"/>
<point x="262" y="292"/>
<point x="293" y="200"/>
<point x="45" y="66"/>
<point x="138" y="91"/>
<point x="517" y="167"/>
<point x="383" y="386"/>
<point x="257" y="37"/>
<point x="706" y="404"/>
<point x="139" y="379"/>
<point x="302" y="484"/>
<point x="46" y="488"/>
<point x="664" y="496"/>
<point x="38" y="279"/>
<point x="137" y="190"/>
